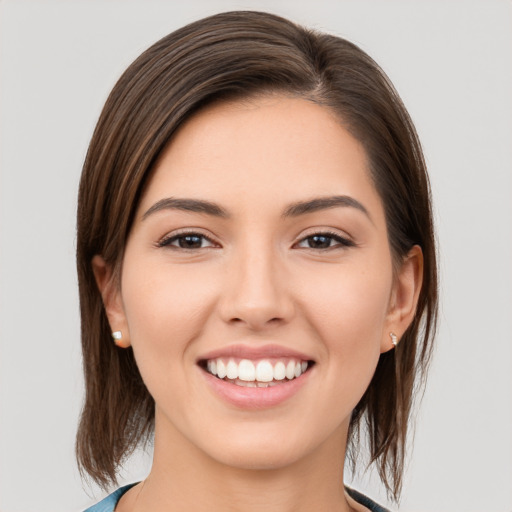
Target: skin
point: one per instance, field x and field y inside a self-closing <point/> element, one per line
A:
<point x="258" y="281"/>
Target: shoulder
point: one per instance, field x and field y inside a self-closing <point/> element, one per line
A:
<point x="109" y="503"/>
<point x="365" y="501"/>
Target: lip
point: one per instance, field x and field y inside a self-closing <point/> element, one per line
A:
<point x="250" y="398"/>
<point x="255" y="398"/>
<point x="253" y="352"/>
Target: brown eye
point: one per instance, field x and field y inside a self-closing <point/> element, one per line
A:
<point x="324" y="241"/>
<point x="187" y="241"/>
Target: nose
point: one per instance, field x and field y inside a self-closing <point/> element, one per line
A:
<point x="256" y="291"/>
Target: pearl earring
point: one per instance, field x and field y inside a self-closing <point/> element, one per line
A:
<point x="394" y="338"/>
<point x="117" y="336"/>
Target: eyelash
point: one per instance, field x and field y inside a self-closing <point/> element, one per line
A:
<point x="341" y="241"/>
<point x="167" y="241"/>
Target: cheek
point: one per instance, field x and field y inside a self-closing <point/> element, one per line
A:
<point x="348" y="312"/>
<point x="165" y="309"/>
<point x="349" y="300"/>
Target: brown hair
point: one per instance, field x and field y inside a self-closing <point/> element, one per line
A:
<point x="230" y="55"/>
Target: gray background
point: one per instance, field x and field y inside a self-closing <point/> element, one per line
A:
<point x="450" y="61"/>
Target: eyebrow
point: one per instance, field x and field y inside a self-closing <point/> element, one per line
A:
<point x="294" y="210"/>
<point x="323" y="203"/>
<point x="188" y="205"/>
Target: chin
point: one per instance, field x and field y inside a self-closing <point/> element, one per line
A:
<point x="260" y="450"/>
<point x="258" y="458"/>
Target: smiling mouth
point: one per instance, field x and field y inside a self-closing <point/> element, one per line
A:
<point x="262" y="373"/>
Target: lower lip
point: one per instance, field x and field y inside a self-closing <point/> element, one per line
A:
<point x="255" y="398"/>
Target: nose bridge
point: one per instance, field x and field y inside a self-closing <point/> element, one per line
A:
<point x="256" y="293"/>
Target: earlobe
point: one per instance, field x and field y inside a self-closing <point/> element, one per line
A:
<point x="111" y="296"/>
<point x="404" y="298"/>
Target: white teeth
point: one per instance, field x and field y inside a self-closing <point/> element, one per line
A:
<point x="280" y="371"/>
<point x="252" y="374"/>
<point x="264" y="371"/>
<point x="221" y="369"/>
<point x="232" y="370"/>
<point x="290" y="370"/>
<point x="246" y="370"/>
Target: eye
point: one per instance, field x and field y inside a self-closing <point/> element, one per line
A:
<point x="324" y="241"/>
<point x="187" y="240"/>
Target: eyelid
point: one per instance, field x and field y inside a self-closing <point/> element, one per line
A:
<point x="343" y="240"/>
<point x="166" y="240"/>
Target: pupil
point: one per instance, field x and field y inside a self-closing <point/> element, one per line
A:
<point x="190" y="241"/>
<point x="320" y="241"/>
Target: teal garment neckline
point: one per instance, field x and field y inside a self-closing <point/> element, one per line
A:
<point x="109" y="503"/>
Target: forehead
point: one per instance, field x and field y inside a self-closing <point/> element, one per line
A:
<point x="265" y="149"/>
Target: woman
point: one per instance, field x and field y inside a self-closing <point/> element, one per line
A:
<point x="257" y="271"/>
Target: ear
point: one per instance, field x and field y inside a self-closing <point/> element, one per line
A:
<point x="404" y="297"/>
<point x="112" y="301"/>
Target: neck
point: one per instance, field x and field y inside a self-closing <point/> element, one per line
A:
<point x="185" y="478"/>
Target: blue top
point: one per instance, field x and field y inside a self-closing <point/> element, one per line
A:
<point x="109" y="503"/>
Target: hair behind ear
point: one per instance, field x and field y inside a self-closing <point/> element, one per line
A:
<point x="115" y="392"/>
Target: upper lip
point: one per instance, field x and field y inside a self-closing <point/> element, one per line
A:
<point x="254" y="352"/>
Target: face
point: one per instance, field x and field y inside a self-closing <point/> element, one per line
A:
<point x="257" y="287"/>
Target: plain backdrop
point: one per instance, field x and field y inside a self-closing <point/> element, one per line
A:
<point x="451" y="63"/>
